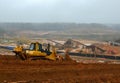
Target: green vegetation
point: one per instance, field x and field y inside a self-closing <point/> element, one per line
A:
<point x="2" y="31"/>
<point x="61" y="30"/>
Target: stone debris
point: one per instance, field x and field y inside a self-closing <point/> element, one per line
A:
<point x="94" y="60"/>
<point x="6" y="52"/>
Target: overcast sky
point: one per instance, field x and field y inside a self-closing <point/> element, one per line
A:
<point x="78" y="11"/>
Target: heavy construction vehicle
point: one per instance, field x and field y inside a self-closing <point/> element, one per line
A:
<point x="35" y="51"/>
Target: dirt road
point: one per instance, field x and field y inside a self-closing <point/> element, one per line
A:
<point x="39" y="71"/>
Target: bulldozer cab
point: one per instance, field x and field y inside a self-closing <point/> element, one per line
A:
<point x="39" y="47"/>
<point x="32" y="46"/>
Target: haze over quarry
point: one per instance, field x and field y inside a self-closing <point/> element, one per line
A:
<point x="78" y="11"/>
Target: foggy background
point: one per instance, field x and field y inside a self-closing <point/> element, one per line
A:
<point x="76" y="11"/>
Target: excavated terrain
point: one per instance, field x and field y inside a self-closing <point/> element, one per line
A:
<point x="13" y="70"/>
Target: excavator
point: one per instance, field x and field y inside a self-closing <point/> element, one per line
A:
<point x="35" y="51"/>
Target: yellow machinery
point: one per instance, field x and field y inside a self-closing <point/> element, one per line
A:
<point x="35" y="51"/>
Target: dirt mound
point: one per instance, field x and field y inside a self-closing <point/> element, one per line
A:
<point x="42" y="71"/>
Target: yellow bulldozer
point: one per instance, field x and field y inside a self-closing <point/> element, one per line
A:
<point x="35" y="51"/>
